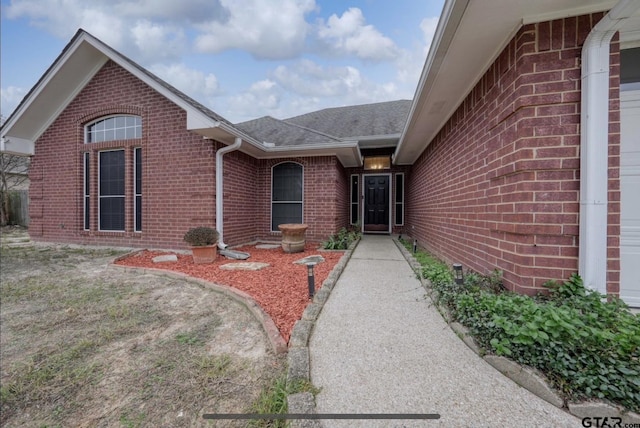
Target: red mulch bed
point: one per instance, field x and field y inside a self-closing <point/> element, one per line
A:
<point x="280" y="289"/>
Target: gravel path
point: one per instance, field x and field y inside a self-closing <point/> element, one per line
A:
<point x="380" y="347"/>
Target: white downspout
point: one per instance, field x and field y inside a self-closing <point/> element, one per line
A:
<point x="594" y="144"/>
<point x="220" y="189"/>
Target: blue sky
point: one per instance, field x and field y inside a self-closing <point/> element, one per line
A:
<point x="242" y="58"/>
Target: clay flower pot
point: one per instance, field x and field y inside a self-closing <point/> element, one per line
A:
<point x="203" y="241"/>
<point x="293" y="237"/>
<point x="204" y="254"/>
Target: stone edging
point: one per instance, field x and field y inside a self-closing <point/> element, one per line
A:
<point x="298" y="367"/>
<point x="275" y="338"/>
<point x="527" y="377"/>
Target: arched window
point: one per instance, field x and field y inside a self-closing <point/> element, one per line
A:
<point x="286" y="194"/>
<point x="112" y="196"/>
<point x="123" y="127"/>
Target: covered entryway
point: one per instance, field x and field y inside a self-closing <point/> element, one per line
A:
<point x="630" y="197"/>
<point x="376" y="207"/>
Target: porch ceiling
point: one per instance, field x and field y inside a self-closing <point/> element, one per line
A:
<point x="469" y="37"/>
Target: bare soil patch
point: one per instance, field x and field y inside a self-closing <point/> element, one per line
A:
<point x="281" y="289"/>
<point x="86" y="344"/>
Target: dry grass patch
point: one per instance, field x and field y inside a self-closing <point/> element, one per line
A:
<point x="85" y="344"/>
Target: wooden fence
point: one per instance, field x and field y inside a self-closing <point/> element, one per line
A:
<point x="19" y="207"/>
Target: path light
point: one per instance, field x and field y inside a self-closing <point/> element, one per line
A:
<point x="311" y="278"/>
<point x="457" y="273"/>
<point x="415" y="246"/>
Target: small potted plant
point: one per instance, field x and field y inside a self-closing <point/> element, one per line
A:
<point x="203" y="241"/>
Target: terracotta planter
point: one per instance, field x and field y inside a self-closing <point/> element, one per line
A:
<point x="293" y="237"/>
<point x="204" y="254"/>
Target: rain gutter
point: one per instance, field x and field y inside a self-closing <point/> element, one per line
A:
<point x="594" y="144"/>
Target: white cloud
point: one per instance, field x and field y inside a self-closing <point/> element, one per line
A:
<point x="192" y="82"/>
<point x="156" y="42"/>
<point x="261" y="99"/>
<point x="346" y="83"/>
<point x="10" y="97"/>
<point x="261" y="27"/>
<point x="350" y="35"/>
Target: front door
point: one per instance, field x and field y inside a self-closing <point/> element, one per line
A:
<point x="376" y="203"/>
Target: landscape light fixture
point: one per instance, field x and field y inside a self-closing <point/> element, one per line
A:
<point x="457" y="273"/>
<point x="311" y="279"/>
<point x="415" y="246"/>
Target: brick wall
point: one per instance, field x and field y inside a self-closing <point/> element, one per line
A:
<point x="499" y="185"/>
<point x="178" y="182"/>
<point x="325" y="197"/>
<point x="178" y="168"/>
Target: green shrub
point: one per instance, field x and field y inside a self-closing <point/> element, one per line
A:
<point x="201" y="236"/>
<point x="586" y="343"/>
<point x="341" y="240"/>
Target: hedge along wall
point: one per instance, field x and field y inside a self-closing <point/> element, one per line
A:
<point x="498" y="187"/>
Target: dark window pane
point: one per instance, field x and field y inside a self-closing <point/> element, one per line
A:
<point x="87" y="213"/>
<point x="112" y="173"/>
<point x="138" y="156"/>
<point x="354" y="213"/>
<point x="86" y="174"/>
<point x="354" y="189"/>
<point x="399" y="214"/>
<point x="112" y="213"/>
<point x="287" y="182"/>
<point x="285" y="213"/>
<point x="138" y="213"/>
<point x="399" y="188"/>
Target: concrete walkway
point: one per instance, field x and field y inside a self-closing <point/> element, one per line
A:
<point x="379" y="346"/>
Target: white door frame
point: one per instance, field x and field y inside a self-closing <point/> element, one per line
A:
<point x="629" y="233"/>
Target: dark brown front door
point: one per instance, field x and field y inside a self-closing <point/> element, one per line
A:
<point x="376" y="203"/>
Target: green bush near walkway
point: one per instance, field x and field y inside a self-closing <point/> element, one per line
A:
<point x="587" y="344"/>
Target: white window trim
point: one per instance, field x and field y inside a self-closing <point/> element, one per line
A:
<point x="86" y="190"/>
<point x="135" y="195"/>
<point x="284" y="202"/>
<point x="102" y="118"/>
<point x="395" y="200"/>
<point x="123" y="196"/>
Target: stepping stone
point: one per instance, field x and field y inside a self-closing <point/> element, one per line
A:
<point x="244" y="266"/>
<point x="310" y="259"/>
<point x="165" y="258"/>
<point x="267" y="246"/>
<point x="232" y="254"/>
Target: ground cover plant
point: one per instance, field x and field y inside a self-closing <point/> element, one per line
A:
<point x="587" y="344"/>
<point x="85" y="344"/>
<point x="342" y="239"/>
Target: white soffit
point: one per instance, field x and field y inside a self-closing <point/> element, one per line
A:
<point x="476" y="39"/>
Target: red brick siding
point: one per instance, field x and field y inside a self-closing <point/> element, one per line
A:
<point x="499" y="185"/>
<point x="240" y="194"/>
<point x="325" y="197"/>
<point x="178" y="168"/>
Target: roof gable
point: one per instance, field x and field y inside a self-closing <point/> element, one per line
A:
<point x="76" y="65"/>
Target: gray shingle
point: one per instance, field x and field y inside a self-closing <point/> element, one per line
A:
<point x="357" y="121"/>
<point x="269" y="130"/>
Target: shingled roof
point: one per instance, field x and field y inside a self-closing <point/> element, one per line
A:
<point x="280" y="133"/>
<point x="384" y="118"/>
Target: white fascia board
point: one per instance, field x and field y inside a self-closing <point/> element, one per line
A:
<point x="17" y="146"/>
<point x="566" y="13"/>
<point x="43" y="85"/>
